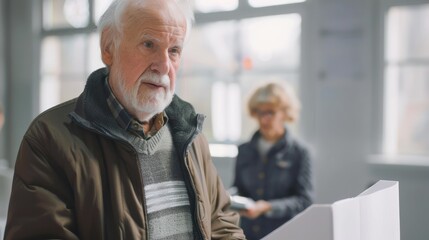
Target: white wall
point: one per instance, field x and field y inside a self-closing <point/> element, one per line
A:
<point x="339" y="103"/>
<point x="23" y="25"/>
<point x="2" y="72"/>
<point x="4" y="177"/>
<point x="5" y="187"/>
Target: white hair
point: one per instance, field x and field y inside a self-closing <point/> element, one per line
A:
<point x="111" y="19"/>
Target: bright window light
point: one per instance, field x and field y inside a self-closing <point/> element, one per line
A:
<point x="223" y="150"/>
<point x="406" y="81"/>
<point x="218" y="111"/>
<point x="233" y="110"/>
<point x="391" y="112"/>
<point x="226" y="111"/>
<point x="99" y="7"/>
<point x="76" y="12"/>
<point x="265" y="3"/>
<point x="206" y="6"/>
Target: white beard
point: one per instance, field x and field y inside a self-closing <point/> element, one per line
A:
<point x="143" y="100"/>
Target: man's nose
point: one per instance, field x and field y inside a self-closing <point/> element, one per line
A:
<point x="161" y="63"/>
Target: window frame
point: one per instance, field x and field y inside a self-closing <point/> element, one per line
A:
<point x="380" y="156"/>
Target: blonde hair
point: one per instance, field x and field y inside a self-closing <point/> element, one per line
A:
<point x="283" y="98"/>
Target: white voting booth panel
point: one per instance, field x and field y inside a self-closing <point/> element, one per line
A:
<point x="372" y="215"/>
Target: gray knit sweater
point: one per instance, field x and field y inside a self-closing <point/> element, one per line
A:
<point x="167" y="201"/>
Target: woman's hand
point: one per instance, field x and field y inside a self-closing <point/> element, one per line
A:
<point x="260" y="207"/>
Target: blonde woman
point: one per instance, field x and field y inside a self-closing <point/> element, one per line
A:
<point x="273" y="168"/>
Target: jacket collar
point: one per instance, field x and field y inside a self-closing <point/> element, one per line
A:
<point x="285" y="141"/>
<point x="92" y="111"/>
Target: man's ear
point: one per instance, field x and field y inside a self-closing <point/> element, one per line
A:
<point x="106" y="46"/>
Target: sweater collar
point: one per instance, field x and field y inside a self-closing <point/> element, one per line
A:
<point x="127" y="122"/>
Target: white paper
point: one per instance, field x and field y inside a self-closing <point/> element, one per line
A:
<point x="346" y="219"/>
<point x="379" y="206"/>
<point x="372" y="215"/>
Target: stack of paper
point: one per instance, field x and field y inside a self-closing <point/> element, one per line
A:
<point x="241" y="203"/>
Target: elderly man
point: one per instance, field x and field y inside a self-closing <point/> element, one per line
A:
<point x="126" y="159"/>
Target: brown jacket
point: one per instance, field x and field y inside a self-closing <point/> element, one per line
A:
<point x="77" y="178"/>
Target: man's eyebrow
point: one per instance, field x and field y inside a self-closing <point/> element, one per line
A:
<point x="150" y="37"/>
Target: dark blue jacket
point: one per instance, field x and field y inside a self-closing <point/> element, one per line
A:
<point x="283" y="178"/>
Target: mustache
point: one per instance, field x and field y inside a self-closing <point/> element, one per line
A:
<point x="155" y="79"/>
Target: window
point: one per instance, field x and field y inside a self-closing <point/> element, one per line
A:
<point x="99" y="7"/>
<point x="206" y="6"/>
<point x="66" y="62"/>
<point x="231" y="58"/>
<point x="69" y="50"/>
<point x="230" y="52"/>
<point x="406" y="80"/>
<point x="65" y="13"/>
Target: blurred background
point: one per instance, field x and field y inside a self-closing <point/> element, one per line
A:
<point x="361" y="68"/>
